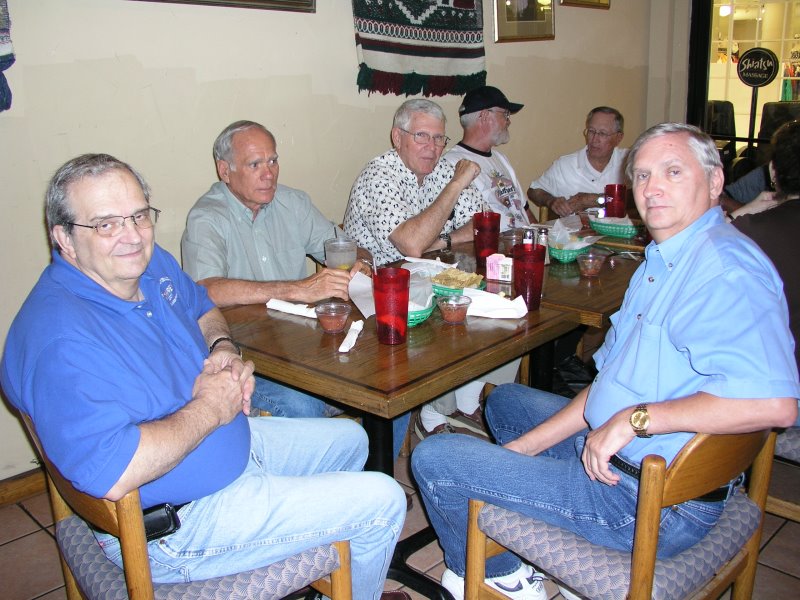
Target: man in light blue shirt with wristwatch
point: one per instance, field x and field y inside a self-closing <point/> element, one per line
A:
<point x="700" y="344"/>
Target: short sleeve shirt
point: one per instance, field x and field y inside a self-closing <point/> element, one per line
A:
<point x="89" y="367"/>
<point x="222" y="239"/>
<point x="386" y="194"/>
<point x="498" y="184"/>
<point x="573" y="173"/>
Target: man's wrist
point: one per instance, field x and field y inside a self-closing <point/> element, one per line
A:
<point x="224" y="340"/>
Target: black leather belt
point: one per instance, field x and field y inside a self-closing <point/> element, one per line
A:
<point x="717" y="495"/>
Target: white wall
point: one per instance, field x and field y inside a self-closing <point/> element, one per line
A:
<point x="154" y="83"/>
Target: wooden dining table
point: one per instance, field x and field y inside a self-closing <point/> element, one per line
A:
<point x="381" y="381"/>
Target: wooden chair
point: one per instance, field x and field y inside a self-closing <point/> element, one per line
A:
<point x="89" y="574"/>
<point x="727" y="555"/>
<point x="787" y="446"/>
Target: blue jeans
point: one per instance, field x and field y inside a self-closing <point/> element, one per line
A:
<point x="283" y="401"/>
<point x="552" y="486"/>
<point x="303" y="487"/>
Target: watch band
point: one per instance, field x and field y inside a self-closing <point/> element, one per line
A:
<point x="224" y="339"/>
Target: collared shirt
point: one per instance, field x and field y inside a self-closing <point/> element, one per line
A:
<point x="223" y="240"/>
<point x="498" y="184"/>
<point x="704" y="313"/>
<point x="387" y="194"/>
<point x="573" y="173"/>
<point x="89" y="367"/>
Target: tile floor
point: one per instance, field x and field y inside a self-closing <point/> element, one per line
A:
<point x="29" y="565"/>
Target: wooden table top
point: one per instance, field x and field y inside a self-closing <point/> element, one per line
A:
<point x="386" y="380"/>
<point x="592" y="300"/>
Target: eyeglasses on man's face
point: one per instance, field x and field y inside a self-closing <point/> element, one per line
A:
<point x="603" y="135"/>
<point x="506" y="113"/>
<point x="112" y="226"/>
<point x="422" y="138"/>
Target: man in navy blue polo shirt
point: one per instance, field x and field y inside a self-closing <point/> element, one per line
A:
<point x="132" y="380"/>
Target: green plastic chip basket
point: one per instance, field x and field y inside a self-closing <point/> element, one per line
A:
<point x="415" y="317"/>
<point x="614" y="229"/>
<point x="566" y="256"/>
<point x="441" y="290"/>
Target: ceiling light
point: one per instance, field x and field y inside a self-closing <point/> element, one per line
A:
<point x="725" y="10"/>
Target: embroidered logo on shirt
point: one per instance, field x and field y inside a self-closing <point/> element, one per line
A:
<point x="168" y="291"/>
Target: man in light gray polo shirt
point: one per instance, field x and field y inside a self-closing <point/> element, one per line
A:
<point x="246" y="241"/>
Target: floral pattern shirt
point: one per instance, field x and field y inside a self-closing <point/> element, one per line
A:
<point x="386" y="194"/>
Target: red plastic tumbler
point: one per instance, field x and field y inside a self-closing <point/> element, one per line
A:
<point x="390" y="292"/>
<point x="616" y="195"/>
<point x="529" y="273"/>
<point x="486" y="230"/>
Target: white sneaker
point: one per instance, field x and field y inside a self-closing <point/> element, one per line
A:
<point x="567" y="594"/>
<point x="523" y="584"/>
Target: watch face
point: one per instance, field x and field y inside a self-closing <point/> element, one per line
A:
<point x="640" y="419"/>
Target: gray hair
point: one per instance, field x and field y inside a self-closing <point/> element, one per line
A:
<point x="403" y="115"/>
<point x="223" y="143"/>
<point x="58" y="210"/>
<point x="700" y="143"/>
<point x="619" y="121"/>
<point x="469" y="119"/>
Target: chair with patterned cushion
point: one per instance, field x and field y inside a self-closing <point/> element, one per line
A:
<point x="727" y="555"/>
<point x="89" y="574"/>
<point x="787" y="446"/>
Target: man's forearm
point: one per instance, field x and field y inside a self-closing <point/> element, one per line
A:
<point x="228" y="292"/>
<point x="419" y="233"/>
<point x="706" y="413"/>
<point x="163" y="444"/>
<point x="540" y="197"/>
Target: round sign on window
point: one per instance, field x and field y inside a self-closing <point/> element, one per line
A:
<point x="757" y="67"/>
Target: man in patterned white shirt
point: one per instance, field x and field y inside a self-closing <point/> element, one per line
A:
<point x="410" y="200"/>
<point x="485" y="115"/>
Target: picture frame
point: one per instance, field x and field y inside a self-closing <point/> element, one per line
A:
<point x="523" y="20"/>
<point x="293" y="5"/>
<point x="604" y="4"/>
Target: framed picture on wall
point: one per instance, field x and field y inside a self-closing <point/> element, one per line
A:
<point x="297" y="5"/>
<point x="587" y="3"/>
<point x="523" y="20"/>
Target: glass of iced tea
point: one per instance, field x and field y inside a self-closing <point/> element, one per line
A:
<point x="340" y="253"/>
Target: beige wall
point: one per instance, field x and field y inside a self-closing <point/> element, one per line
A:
<point x="154" y="83"/>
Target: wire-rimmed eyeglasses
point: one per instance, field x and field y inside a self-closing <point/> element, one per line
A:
<point x="112" y="226"/>
<point x="422" y="138"/>
<point x="501" y="111"/>
<point x="603" y="135"/>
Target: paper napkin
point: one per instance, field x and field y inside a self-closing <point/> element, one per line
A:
<point x="293" y="309"/>
<point x="351" y="337"/>
<point x="360" y="290"/>
<point x="485" y="304"/>
<point x="438" y="264"/>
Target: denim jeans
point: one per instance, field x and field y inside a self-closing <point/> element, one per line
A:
<point x="303" y="487"/>
<point x="282" y="401"/>
<point x="552" y="486"/>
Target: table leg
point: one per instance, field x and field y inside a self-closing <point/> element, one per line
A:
<point x="381" y="459"/>
<point x="542" y="364"/>
<point x="379" y="431"/>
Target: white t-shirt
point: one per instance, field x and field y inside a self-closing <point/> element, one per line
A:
<point x="572" y="173"/>
<point x="497" y="183"/>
